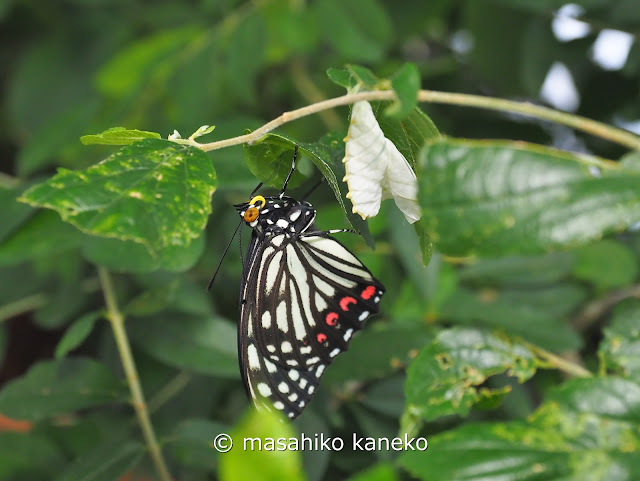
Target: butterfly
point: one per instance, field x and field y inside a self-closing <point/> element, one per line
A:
<point x="302" y="298"/>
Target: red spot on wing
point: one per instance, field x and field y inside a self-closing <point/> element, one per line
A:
<point x="368" y="292"/>
<point x="321" y="338"/>
<point x="332" y="318"/>
<point x="345" y="301"/>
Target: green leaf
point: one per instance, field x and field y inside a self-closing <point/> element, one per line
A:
<point x="363" y="76"/>
<point x="153" y="300"/>
<point x="606" y="264"/>
<point x="77" y="333"/>
<point x="247" y="36"/>
<point x="519" y="271"/>
<point x="445" y="377"/>
<point x="406" y="83"/>
<point x="190" y="443"/>
<point x="247" y="461"/>
<point x="535" y="315"/>
<point x="154" y="192"/>
<point x="149" y="60"/>
<point x="619" y="351"/>
<point x="28" y="243"/>
<point x="127" y="256"/>
<point x="360" y="29"/>
<point x="342" y="77"/>
<point x="290" y="30"/>
<point x="490" y="198"/>
<point x="202" y="130"/>
<point x="50" y="143"/>
<point x="586" y="430"/>
<point x="270" y="161"/>
<point x="66" y="301"/>
<point x="28" y="456"/>
<point x="106" y="462"/>
<point x="118" y="136"/>
<point x="200" y="344"/>
<point x="61" y="386"/>
<point x="410" y="134"/>
<point x="393" y="345"/>
<point x="14" y="214"/>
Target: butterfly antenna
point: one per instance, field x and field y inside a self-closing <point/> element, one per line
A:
<point x="255" y="190"/>
<point x="313" y="187"/>
<point x="213" y="278"/>
<point x="293" y="167"/>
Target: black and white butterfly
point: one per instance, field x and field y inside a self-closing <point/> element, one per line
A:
<point x="302" y="298"/>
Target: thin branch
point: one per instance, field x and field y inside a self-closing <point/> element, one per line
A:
<point x="26" y="304"/>
<point x="311" y="93"/>
<point x="131" y="372"/>
<point x="560" y="363"/>
<point x="38" y="300"/>
<point x="528" y="109"/>
<point x="8" y="182"/>
<point x="596" y="308"/>
<point x="173" y="387"/>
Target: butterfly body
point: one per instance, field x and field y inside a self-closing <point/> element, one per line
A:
<point x="279" y="216"/>
<point x="302" y="298"/>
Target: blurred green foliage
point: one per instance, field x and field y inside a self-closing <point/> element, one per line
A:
<point x="535" y="244"/>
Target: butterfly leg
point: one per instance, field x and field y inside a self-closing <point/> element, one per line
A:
<point x="293" y="167"/>
<point x="325" y="232"/>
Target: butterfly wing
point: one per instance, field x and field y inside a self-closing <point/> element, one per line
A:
<point x="302" y="300"/>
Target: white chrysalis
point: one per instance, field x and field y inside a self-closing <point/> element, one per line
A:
<point x="375" y="169"/>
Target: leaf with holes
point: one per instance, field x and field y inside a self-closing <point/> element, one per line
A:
<point x="619" y="351"/>
<point x="446" y="376"/>
<point x="586" y="430"/>
<point x="154" y="192"/>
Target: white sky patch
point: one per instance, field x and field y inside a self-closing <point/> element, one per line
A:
<point x="461" y="42"/>
<point x="630" y="125"/>
<point x="559" y="89"/>
<point x="611" y="49"/>
<point x="565" y="26"/>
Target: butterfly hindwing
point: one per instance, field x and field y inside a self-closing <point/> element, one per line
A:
<point x="301" y="302"/>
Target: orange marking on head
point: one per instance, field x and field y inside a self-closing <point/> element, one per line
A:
<point x="251" y="214"/>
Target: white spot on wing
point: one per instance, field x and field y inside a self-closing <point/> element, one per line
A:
<point x="254" y="360"/>
<point x="272" y="272"/>
<point x="294" y="216"/>
<point x="363" y="316"/>
<point x="323" y="286"/>
<point x="321" y="305"/>
<point x="347" y="334"/>
<point x="264" y="389"/>
<point x="283" y="387"/>
<point x="286" y="347"/>
<point x="266" y="320"/>
<point x="282" y="223"/>
<point x="294" y="375"/>
<point x="281" y="317"/>
<point x="271" y="367"/>
<point x="277" y="240"/>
